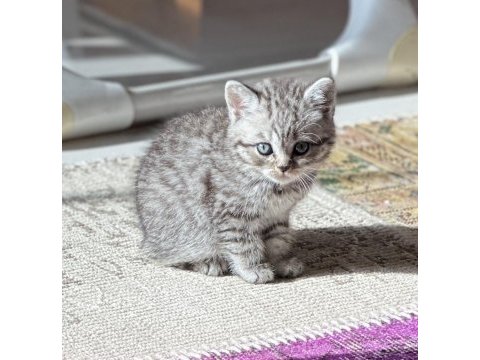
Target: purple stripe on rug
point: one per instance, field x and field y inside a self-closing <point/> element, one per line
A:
<point x="396" y="340"/>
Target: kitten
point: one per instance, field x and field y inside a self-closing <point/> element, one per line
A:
<point x="215" y="189"/>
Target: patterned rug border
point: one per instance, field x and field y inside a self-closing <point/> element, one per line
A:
<point x="352" y="344"/>
<point x="288" y="336"/>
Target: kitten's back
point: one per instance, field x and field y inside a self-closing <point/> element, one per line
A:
<point x="169" y="180"/>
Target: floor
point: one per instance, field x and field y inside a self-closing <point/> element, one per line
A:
<point x="351" y="109"/>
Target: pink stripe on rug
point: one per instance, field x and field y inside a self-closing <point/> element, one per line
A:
<point x="396" y="340"/>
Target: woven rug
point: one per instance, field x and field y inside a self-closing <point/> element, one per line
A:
<point x="374" y="166"/>
<point x="357" y="300"/>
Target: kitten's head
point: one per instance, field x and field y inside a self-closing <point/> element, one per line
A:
<point x="283" y="129"/>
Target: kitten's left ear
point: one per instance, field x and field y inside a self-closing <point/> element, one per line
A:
<point x="322" y="94"/>
<point x="241" y="100"/>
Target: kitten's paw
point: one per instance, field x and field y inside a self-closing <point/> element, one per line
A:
<point x="259" y="274"/>
<point x="289" y="267"/>
<point x="210" y="268"/>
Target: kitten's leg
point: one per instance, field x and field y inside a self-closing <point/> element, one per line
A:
<point x="246" y="256"/>
<point x="278" y="245"/>
<point x="211" y="267"/>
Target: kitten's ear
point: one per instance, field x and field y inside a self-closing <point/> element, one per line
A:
<point x="241" y="100"/>
<point x="322" y="94"/>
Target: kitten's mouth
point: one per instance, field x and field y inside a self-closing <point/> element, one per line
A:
<point x="282" y="179"/>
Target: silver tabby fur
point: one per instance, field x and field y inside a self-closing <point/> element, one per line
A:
<point x="210" y="202"/>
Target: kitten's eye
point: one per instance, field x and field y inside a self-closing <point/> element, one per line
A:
<point x="264" y="149"/>
<point x="301" y="148"/>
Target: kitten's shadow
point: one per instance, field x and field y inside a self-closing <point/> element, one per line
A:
<point x="341" y="250"/>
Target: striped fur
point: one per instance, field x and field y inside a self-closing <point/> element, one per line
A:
<point x="210" y="202"/>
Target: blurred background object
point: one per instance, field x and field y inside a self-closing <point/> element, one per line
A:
<point x="128" y="62"/>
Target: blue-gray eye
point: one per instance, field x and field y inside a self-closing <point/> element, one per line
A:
<point x="264" y="149"/>
<point x="301" y="148"/>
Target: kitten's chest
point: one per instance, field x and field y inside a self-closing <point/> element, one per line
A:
<point x="272" y="210"/>
<point x="261" y="207"/>
<point x="273" y="207"/>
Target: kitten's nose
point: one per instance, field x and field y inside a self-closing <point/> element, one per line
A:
<point x="283" y="168"/>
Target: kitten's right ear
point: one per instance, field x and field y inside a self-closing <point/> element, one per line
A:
<point x="241" y="100"/>
<point x="321" y="94"/>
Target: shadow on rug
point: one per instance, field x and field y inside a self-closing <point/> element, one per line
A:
<point x="358" y="249"/>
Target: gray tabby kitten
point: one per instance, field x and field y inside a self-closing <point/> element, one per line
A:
<point x="215" y="189"/>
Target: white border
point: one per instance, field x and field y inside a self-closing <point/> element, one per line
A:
<point x="30" y="265"/>
<point x="449" y="179"/>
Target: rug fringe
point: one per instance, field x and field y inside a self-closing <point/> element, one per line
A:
<point x="288" y="336"/>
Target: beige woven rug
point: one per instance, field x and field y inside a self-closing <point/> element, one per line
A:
<point x="118" y="305"/>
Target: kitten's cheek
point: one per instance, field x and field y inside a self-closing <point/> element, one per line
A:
<point x="301" y="162"/>
<point x="268" y="173"/>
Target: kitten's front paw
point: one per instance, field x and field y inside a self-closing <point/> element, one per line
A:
<point x="259" y="274"/>
<point x="289" y="267"/>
